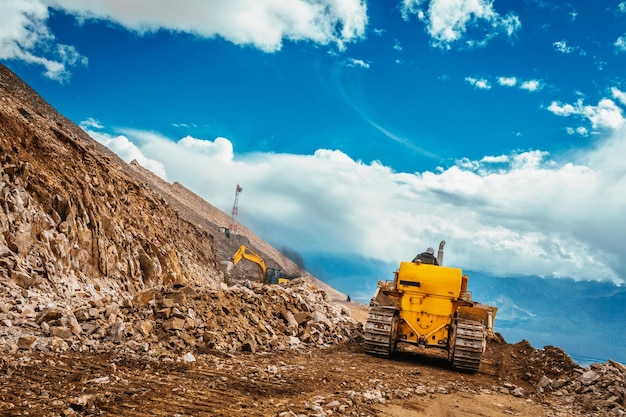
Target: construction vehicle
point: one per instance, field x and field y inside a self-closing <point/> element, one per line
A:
<point x="429" y="306"/>
<point x="266" y="275"/>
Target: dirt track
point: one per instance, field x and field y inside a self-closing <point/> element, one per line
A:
<point x="340" y="380"/>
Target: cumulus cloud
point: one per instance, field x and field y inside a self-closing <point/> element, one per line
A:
<point x="507" y="81"/>
<point x="619" y="95"/>
<point x="466" y="22"/>
<point x="533" y="214"/>
<point x="480" y="83"/>
<point x="563" y="47"/>
<point x="352" y="62"/>
<point x="607" y="114"/>
<point x="24" y="36"/>
<point x="528" y="85"/>
<point x="531" y="85"/>
<point x="264" y="24"/>
<point x="220" y="148"/>
<point x="620" y="44"/>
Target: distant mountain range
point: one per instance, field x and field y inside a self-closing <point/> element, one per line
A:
<point x="587" y="319"/>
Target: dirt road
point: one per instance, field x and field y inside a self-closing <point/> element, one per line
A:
<point x="334" y="381"/>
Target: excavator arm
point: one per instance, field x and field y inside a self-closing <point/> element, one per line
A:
<point x="244" y="253"/>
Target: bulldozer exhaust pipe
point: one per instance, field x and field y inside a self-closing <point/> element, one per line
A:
<point x="440" y="252"/>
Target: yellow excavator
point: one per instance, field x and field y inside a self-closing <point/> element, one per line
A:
<point x="428" y="305"/>
<point x="266" y="275"/>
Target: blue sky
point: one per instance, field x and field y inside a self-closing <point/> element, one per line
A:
<point x="370" y="129"/>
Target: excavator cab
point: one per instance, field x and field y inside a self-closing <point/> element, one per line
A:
<point x="272" y="276"/>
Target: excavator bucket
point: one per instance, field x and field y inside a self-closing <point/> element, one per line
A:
<point x="226" y="266"/>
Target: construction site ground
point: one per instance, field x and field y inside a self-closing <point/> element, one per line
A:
<point x="251" y="384"/>
<point x="339" y="380"/>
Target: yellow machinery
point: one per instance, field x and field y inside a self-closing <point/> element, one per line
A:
<point x="429" y="306"/>
<point x="266" y="275"/>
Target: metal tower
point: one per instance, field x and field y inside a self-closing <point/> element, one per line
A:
<point x="233" y="217"/>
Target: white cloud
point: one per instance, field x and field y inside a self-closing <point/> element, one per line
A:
<point x="24" y="36"/>
<point x="562" y="47"/>
<point x="531" y="85"/>
<point x="379" y="32"/>
<point x="220" y="148"/>
<point x="495" y="159"/>
<point x="606" y="115"/>
<point x="352" y="62"/>
<point x="620" y="44"/>
<point x="582" y="131"/>
<point x="619" y="95"/>
<point x="480" y="83"/>
<point x="564" y="109"/>
<point x="91" y="123"/>
<point x="455" y="21"/>
<point x="507" y="81"/>
<point x="517" y="214"/>
<point x="264" y="24"/>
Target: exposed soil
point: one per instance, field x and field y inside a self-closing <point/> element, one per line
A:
<point x="340" y="380"/>
<point x="217" y="384"/>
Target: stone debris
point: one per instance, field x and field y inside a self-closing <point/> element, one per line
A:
<point x="253" y="318"/>
<point x="596" y="391"/>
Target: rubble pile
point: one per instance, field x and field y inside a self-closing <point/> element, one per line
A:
<point x="550" y="374"/>
<point x="175" y="320"/>
<point x="600" y="389"/>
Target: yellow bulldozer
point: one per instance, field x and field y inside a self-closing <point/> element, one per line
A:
<point x="266" y="275"/>
<point x="428" y="305"/>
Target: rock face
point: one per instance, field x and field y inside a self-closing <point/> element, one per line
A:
<point x="73" y="219"/>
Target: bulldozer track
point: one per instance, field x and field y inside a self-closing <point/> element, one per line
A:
<point x="379" y="329"/>
<point x="468" y="345"/>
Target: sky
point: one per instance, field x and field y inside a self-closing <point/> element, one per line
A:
<point x="363" y="130"/>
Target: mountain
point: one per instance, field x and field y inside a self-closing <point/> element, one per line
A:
<point x="585" y="318"/>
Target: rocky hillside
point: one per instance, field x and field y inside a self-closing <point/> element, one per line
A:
<point x="94" y="250"/>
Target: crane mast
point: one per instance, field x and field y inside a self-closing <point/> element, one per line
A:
<point x="233" y="217"/>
